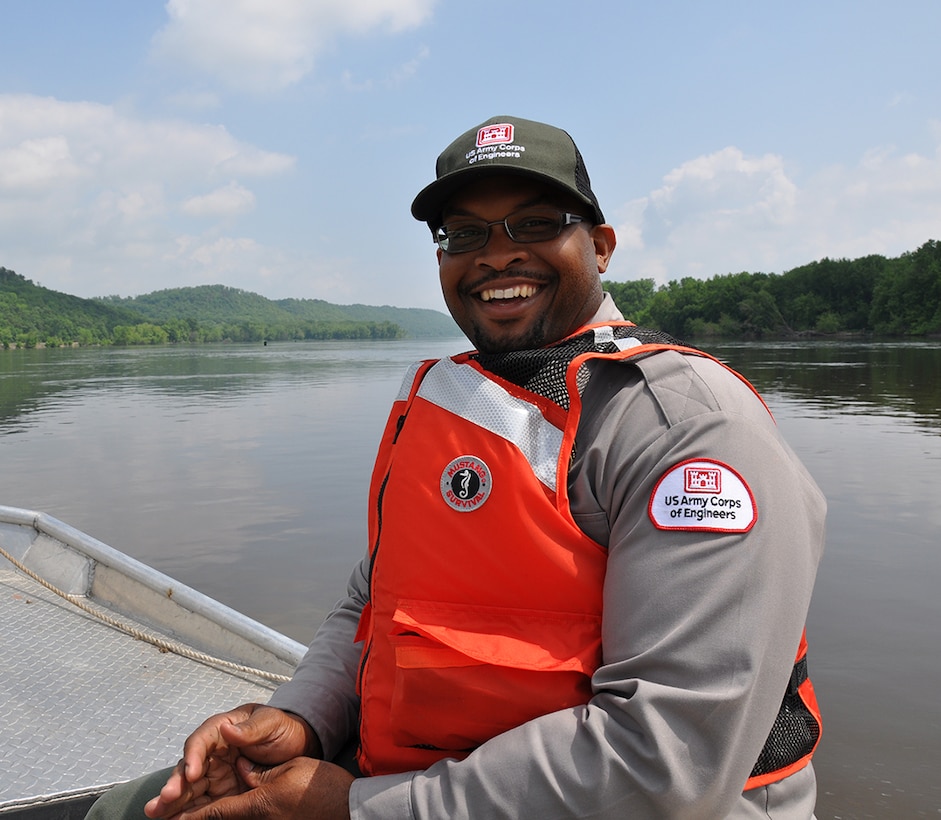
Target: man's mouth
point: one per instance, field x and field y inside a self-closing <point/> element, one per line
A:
<point x="516" y="292"/>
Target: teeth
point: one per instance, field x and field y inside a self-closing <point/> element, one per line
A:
<point x="524" y="291"/>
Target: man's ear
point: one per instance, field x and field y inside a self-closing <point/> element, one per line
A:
<point x="604" y="239"/>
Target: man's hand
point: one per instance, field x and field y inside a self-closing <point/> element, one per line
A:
<point x="301" y="789"/>
<point x="208" y="771"/>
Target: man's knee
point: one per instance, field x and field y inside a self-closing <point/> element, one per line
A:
<point x="126" y="800"/>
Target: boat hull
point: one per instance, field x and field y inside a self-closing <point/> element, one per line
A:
<point x="85" y="705"/>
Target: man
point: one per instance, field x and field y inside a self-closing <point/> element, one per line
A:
<point x="590" y="564"/>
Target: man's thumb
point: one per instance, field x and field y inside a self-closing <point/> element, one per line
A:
<point x="246" y="733"/>
<point x="253" y="774"/>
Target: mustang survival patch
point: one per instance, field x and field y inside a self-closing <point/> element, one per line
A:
<point x="702" y="494"/>
<point x="466" y="483"/>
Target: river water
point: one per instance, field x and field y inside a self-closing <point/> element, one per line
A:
<point x="241" y="470"/>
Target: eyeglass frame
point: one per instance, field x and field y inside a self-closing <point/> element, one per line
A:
<point x="564" y="220"/>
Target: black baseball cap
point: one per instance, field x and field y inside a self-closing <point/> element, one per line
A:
<point x="507" y="145"/>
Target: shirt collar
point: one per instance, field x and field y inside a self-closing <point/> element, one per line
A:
<point x="607" y="312"/>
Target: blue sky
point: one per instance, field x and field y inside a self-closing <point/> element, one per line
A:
<point x="276" y="146"/>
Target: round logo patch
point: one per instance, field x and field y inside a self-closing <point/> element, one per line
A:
<point x="466" y="483"/>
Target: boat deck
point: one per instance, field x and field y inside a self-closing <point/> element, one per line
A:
<point x="85" y="705"/>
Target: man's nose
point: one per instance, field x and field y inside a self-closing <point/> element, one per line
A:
<point x="501" y="250"/>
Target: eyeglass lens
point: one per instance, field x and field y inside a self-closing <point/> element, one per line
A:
<point x="526" y="226"/>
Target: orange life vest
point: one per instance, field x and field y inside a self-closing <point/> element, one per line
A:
<point x="485" y="596"/>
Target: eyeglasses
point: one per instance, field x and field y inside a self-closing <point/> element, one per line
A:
<point x="532" y="225"/>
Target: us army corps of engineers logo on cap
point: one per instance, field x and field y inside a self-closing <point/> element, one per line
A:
<point x="495" y="134"/>
<point x="466" y="483"/>
<point x="495" y="142"/>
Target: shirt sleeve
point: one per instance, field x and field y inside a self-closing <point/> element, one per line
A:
<point x="700" y="628"/>
<point x="322" y="689"/>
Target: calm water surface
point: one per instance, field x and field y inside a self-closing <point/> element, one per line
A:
<point x="242" y="471"/>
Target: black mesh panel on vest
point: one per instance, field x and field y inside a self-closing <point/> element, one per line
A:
<point x="795" y="730"/>
<point x="543" y="371"/>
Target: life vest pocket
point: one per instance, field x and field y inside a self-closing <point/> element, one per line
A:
<point x="465" y="674"/>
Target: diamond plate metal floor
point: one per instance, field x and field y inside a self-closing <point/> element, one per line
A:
<point x="83" y="705"/>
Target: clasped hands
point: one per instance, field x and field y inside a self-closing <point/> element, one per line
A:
<point x="253" y="761"/>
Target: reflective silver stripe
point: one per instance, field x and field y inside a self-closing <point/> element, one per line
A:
<point x="406" y="385"/>
<point x="464" y="391"/>
<point x="603" y="335"/>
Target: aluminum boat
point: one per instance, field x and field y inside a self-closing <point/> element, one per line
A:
<point x="106" y="665"/>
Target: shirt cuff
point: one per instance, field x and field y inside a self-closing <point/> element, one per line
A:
<point x="387" y="796"/>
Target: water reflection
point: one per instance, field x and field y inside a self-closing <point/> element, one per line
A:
<point x="29" y="378"/>
<point x="239" y="469"/>
<point x="242" y="471"/>
<point x="844" y="377"/>
<point x="851" y="378"/>
<point x="865" y="420"/>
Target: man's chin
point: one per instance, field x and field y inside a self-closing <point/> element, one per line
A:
<point x="506" y="340"/>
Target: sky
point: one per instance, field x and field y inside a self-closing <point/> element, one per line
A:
<point x="276" y="145"/>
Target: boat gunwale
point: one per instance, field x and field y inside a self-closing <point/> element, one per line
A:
<point x="193" y="601"/>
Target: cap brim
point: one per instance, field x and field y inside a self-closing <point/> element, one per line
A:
<point x="430" y="202"/>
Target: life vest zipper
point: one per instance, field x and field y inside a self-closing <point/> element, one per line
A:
<point x="400" y="423"/>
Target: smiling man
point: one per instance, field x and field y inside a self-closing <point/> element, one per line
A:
<point x="522" y="239"/>
<point x="590" y="560"/>
<point x="519" y="262"/>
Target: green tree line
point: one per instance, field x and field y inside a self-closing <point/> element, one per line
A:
<point x="871" y="295"/>
<point x="285" y="318"/>
<point x="178" y="330"/>
<point x="32" y="316"/>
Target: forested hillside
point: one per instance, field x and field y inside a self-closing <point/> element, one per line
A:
<point x="221" y="305"/>
<point x="31" y="315"/>
<point x="418" y="321"/>
<point x="871" y="295"/>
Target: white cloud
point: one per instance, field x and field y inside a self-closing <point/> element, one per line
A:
<point x="95" y="202"/>
<point x="88" y="193"/>
<point x="90" y="143"/>
<point x="219" y="255"/>
<point x="409" y="69"/>
<point x="229" y="200"/>
<point x="34" y="163"/>
<point x="259" y="45"/>
<point x="727" y="212"/>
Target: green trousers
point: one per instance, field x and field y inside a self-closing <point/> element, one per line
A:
<point x="126" y="800"/>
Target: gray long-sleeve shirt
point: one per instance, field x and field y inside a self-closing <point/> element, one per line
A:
<point x="700" y="628"/>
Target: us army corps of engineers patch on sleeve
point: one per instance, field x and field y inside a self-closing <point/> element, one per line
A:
<point x="702" y="495"/>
